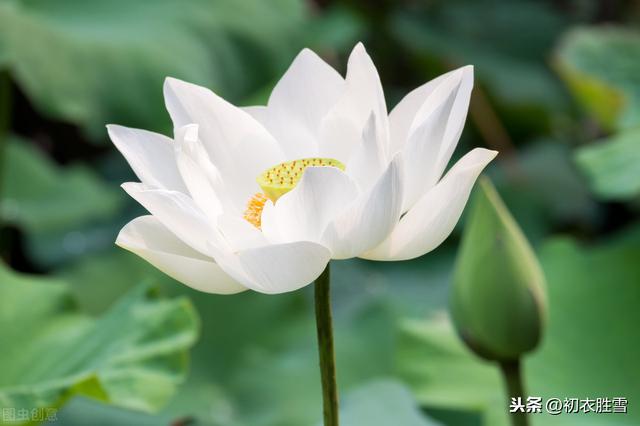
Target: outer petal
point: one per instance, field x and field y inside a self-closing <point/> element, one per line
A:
<point x="430" y="136"/>
<point x="303" y="213"/>
<point x="150" y="155"/>
<point x="277" y="268"/>
<point x="342" y="128"/>
<point x="456" y="120"/>
<point x="434" y="216"/>
<point x="298" y="103"/>
<point x="402" y="115"/>
<point x="149" y="239"/>
<point x="178" y="213"/>
<point x="370" y="218"/>
<point x="237" y="144"/>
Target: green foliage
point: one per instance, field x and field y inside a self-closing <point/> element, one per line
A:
<point x="257" y="353"/>
<point x="444" y="374"/>
<point x="382" y="403"/>
<point x="498" y="300"/>
<point x="490" y="35"/>
<point x="544" y="188"/>
<point x="133" y="356"/>
<point x="98" y="62"/>
<point x="613" y="165"/>
<point x="79" y="65"/>
<point x="600" y="66"/>
<point x="585" y="352"/>
<point x="41" y="197"/>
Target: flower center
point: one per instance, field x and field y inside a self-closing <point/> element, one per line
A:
<point x="280" y="179"/>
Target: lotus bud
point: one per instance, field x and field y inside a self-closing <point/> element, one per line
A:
<point x="498" y="301"/>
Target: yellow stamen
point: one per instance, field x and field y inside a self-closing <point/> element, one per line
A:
<point x="253" y="214"/>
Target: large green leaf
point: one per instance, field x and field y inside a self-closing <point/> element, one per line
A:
<point x="92" y="63"/>
<point x="613" y="165"/>
<point x="590" y="350"/>
<point x="600" y="66"/>
<point x="133" y="356"/>
<point x="41" y="197"/>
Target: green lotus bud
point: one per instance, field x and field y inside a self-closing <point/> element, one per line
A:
<point x="498" y="301"/>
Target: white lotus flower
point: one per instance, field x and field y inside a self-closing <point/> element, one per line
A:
<point x="339" y="178"/>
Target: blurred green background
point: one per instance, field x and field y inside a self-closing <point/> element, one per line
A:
<point x="557" y="93"/>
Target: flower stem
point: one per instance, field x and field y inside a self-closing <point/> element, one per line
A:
<point x="512" y="374"/>
<point x="325" y="348"/>
<point x="5" y="117"/>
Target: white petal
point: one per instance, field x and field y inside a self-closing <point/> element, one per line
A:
<point x="363" y="96"/>
<point x="239" y="146"/>
<point x="298" y="103"/>
<point x="240" y="234"/>
<point x="277" y="268"/>
<point x="303" y="213"/>
<point x="177" y="212"/>
<point x="149" y="239"/>
<point x="259" y="112"/>
<point x="434" y="216"/>
<point x="369" y="160"/>
<point x="270" y="226"/>
<point x="150" y="155"/>
<point x="363" y="79"/>
<point x="340" y="134"/>
<point x="456" y="120"/>
<point x="370" y="218"/>
<point x="199" y="174"/>
<point x="428" y="140"/>
<point x="402" y="115"/>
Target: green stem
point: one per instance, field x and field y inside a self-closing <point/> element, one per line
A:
<point x="5" y="117"/>
<point x="512" y="374"/>
<point x="325" y="348"/>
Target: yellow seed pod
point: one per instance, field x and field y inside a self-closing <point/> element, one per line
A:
<point x="280" y="179"/>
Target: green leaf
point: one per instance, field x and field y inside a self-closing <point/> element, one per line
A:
<point x="498" y="300"/>
<point x="42" y="198"/>
<point x="590" y="349"/>
<point x="600" y="67"/>
<point x="133" y="356"/>
<point x="443" y="374"/>
<point x="92" y="63"/>
<point x="612" y="165"/>
<point x="382" y="402"/>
